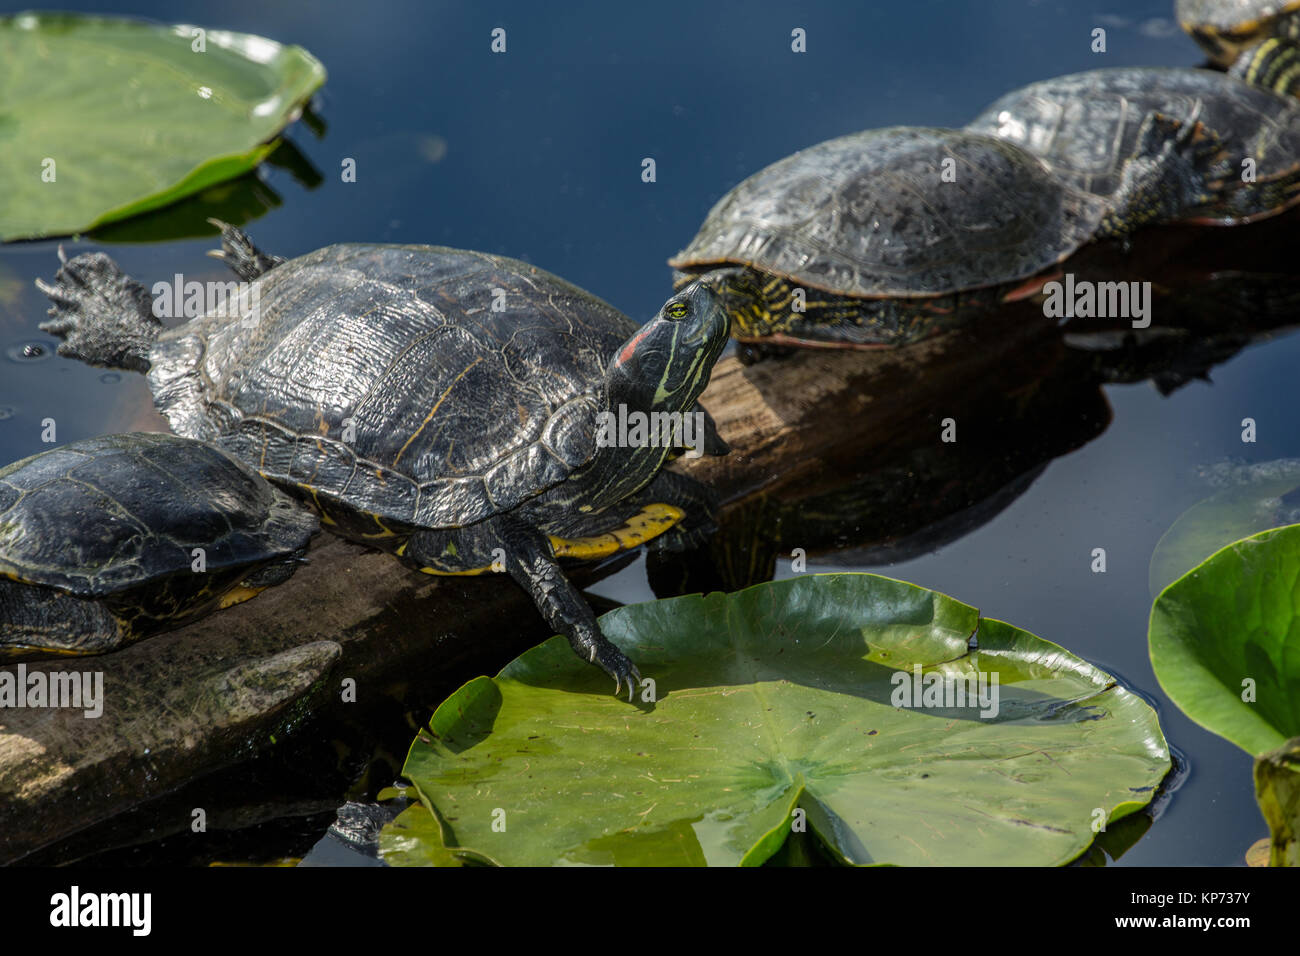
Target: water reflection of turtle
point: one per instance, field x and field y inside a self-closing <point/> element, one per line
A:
<point x="111" y="539"/>
<point x="1021" y="391"/>
<point x="439" y="404"/>
<point x="881" y="484"/>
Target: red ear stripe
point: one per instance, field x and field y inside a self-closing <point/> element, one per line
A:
<point x="628" y="349"/>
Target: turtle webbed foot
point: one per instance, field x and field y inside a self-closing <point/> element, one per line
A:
<point x="238" y="252"/>
<point x="104" y="316"/>
<point x="1176" y="165"/>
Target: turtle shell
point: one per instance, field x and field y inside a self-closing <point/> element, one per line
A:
<point x="100" y="516"/>
<point x="417" y="384"/>
<point x="1225" y="27"/>
<point x="871" y="215"/>
<point x="1086" y="124"/>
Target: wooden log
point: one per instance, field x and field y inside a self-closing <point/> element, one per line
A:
<point x="185" y="703"/>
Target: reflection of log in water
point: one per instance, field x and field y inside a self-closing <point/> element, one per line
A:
<point x="845" y="452"/>
<point x="831" y="451"/>
<point x="849" y="450"/>
<point x="1215" y="292"/>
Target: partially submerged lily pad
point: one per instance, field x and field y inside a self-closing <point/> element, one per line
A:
<point x="102" y="118"/>
<point x="1224" y="637"/>
<point x="779" y="707"/>
<point x="1223" y="641"/>
<point x="1251" y="498"/>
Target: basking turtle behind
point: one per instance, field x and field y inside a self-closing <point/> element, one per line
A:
<point x="1231" y="31"/>
<point x="108" y="540"/>
<point x="889" y="236"/>
<point x="440" y="404"/>
<point x="1085" y="125"/>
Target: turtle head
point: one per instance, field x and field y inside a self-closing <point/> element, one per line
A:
<point x="666" y="364"/>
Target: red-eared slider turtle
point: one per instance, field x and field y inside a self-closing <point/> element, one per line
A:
<point x="1085" y="124"/>
<point x="1226" y="29"/>
<point x="891" y="235"/>
<point x="108" y="540"/>
<point x="448" y="406"/>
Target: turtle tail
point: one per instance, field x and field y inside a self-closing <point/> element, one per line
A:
<point x="104" y="316"/>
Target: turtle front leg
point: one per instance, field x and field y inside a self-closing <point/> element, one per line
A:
<point x="238" y="252"/>
<point x="530" y="560"/>
<point x="104" y="316"/>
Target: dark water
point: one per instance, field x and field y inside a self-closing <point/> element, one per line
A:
<point x="537" y="154"/>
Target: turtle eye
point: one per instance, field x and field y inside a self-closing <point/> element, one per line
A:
<point x="675" y="310"/>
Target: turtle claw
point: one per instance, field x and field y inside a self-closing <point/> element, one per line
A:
<point x="632" y="680"/>
<point x="238" y="252"/>
<point x="103" y="315"/>
<point x="616" y="664"/>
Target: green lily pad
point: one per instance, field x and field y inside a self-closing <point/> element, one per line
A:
<point x="131" y="116"/>
<point x="1223" y="641"/>
<point x="1229" y="630"/>
<point x="413" y="840"/>
<point x="779" y="709"/>
<point x="1251" y="500"/>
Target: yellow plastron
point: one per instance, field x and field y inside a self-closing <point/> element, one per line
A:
<point x="650" y="522"/>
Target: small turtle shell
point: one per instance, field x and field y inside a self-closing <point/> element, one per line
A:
<point x="874" y="215"/>
<point x="1086" y="124"/>
<point x="98" y="516"/>
<point x="1224" y="28"/>
<point x="1231" y="16"/>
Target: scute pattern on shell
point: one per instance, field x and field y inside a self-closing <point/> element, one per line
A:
<point x="1086" y="124"/>
<point x="116" y="511"/>
<point x="453" y="409"/>
<point x="868" y="215"/>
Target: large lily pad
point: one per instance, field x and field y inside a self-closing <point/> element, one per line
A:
<point x="132" y="116"/>
<point x="776" y="708"/>
<point x="1228" y="631"/>
<point x="1252" y="498"/>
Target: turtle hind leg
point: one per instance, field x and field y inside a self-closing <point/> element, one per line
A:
<point x="276" y="572"/>
<point x="238" y="252"/>
<point x="697" y="500"/>
<point x="1175" y="166"/>
<point x="1273" y="64"/>
<point x="528" y="559"/>
<point x="104" y="316"/>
